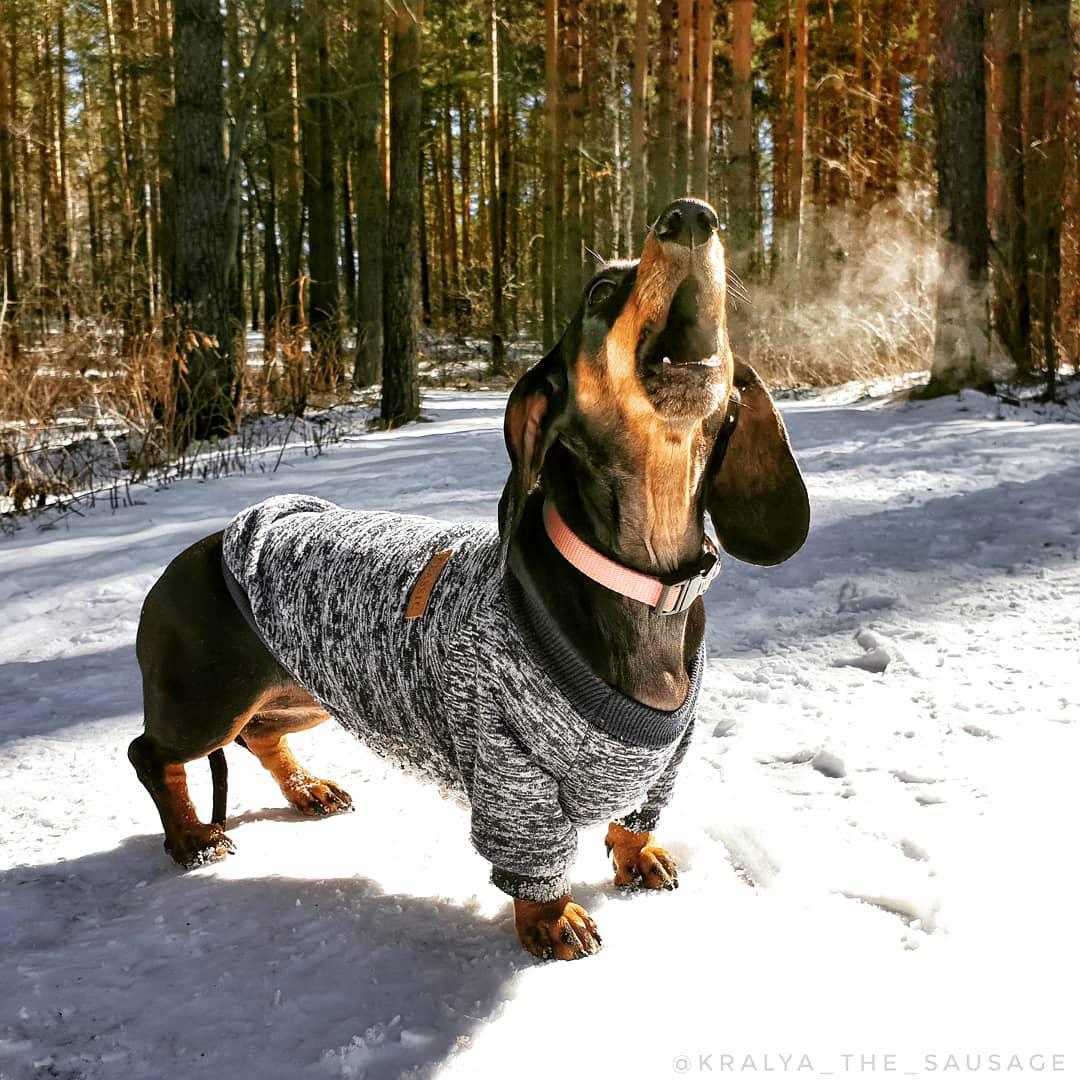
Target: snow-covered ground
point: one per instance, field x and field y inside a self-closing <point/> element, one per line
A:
<point x="876" y="825"/>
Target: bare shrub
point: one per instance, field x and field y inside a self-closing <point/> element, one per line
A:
<point x="93" y="408"/>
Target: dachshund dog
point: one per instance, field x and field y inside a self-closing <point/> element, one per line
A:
<point x="562" y="654"/>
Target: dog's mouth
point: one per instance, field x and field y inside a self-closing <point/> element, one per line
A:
<point x="686" y="345"/>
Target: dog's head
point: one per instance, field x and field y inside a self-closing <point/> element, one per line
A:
<point x="643" y="384"/>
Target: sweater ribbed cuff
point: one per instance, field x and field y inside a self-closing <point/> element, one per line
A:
<point x="539" y="890"/>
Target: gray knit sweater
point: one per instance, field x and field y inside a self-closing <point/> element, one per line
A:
<point x="482" y="693"/>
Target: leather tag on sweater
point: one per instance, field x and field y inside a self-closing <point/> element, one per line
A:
<point x="421" y="591"/>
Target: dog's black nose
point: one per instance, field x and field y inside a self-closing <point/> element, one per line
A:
<point x="688" y="222"/>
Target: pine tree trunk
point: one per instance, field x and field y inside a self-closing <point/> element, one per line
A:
<point x="46" y="168"/>
<point x="888" y="155"/>
<point x="9" y="336"/>
<point x="684" y="106"/>
<point x="425" y="265"/>
<point x="466" y="188"/>
<point x="370" y="194"/>
<point x="703" y="66"/>
<point x="498" y="331"/>
<point x="662" y="159"/>
<point x="205" y="252"/>
<point x="638" y="193"/>
<point x="401" y="262"/>
<point x="617" y="206"/>
<point x="348" y="253"/>
<point x="142" y="284"/>
<point x="295" y="183"/>
<point x="782" y="144"/>
<point x="93" y="153"/>
<point x="61" y="195"/>
<point x="570" y="279"/>
<point x="324" y="317"/>
<point x="253" y="258"/>
<point x="509" y="209"/>
<point x="798" y="141"/>
<point x="451" y="200"/>
<point x="590" y="141"/>
<point x="272" y="297"/>
<point x="483" y="222"/>
<point x="1049" y="42"/>
<point x="741" y="200"/>
<point x="122" y="157"/>
<point x="552" y="247"/>
<point x="1010" y="306"/>
<point x="440" y="237"/>
<point x="857" y="157"/>
<point x="959" y="93"/>
<point x="921" y="158"/>
<point x="741" y="210"/>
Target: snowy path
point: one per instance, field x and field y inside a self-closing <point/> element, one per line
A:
<point x="875" y="826"/>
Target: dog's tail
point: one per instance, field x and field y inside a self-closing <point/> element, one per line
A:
<point x="219" y="778"/>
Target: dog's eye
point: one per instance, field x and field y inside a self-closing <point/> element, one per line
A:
<point x="601" y="291"/>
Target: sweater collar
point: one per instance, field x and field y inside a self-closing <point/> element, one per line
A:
<point x="594" y="700"/>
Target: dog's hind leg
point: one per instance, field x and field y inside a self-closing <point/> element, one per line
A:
<point x="187" y="839"/>
<point x="205" y="675"/>
<point x="264" y="736"/>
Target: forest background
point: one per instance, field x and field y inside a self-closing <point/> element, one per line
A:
<point x="210" y="210"/>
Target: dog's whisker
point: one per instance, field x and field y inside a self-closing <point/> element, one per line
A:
<point x="736" y="286"/>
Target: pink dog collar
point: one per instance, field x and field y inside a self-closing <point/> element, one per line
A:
<point x="663" y="598"/>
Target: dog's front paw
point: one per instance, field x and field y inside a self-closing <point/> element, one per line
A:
<point x="314" y="797"/>
<point x="638" y="861"/>
<point x="558" y="929"/>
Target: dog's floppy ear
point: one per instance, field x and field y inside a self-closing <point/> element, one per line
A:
<point x="530" y="426"/>
<point x="754" y="491"/>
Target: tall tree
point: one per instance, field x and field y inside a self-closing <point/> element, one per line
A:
<point x="370" y="192"/>
<point x="1049" y="42"/>
<point x="781" y="126"/>
<point x="639" y="71"/>
<point x="401" y="261"/>
<point x="703" y="68"/>
<point x="9" y="338"/>
<point x="662" y="157"/>
<point x="466" y="185"/>
<point x="1011" y="307"/>
<point x="321" y="200"/>
<point x="961" y="345"/>
<point x="498" y="345"/>
<point x="552" y="248"/>
<point x="922" y="119"/>
<point x="684" y="107"/>
<point x="572" y="101"/>
<point x="294" y="189"/>
<point x="797" y="156"/>
<point x="741" y="200"/>
<point x="741" y="194"/>
<point x="451" y="201"/>
<point x="205" y="251"/>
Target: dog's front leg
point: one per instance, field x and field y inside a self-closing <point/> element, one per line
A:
<point x="556" y="929"/>
<point x="638" y="860"/>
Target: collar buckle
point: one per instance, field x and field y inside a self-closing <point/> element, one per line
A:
<point x="678" y="596"/>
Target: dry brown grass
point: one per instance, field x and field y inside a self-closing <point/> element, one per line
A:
<point x="91" y="408"/>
